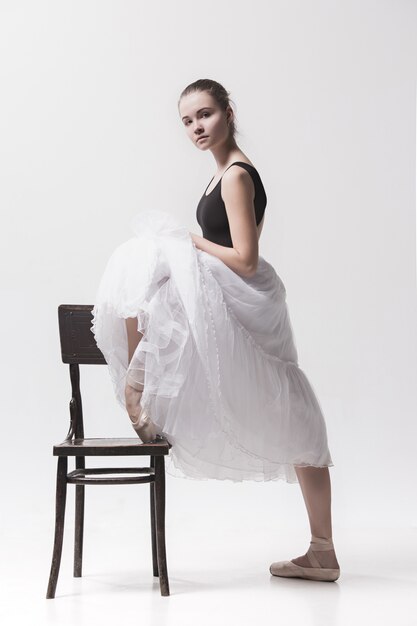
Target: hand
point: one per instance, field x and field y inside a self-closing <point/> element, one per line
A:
<point x="194" y="238"/>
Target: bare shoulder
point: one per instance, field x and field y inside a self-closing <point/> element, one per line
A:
<point x="237" y="179"/>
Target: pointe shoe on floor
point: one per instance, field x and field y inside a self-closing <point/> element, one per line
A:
<point x="288" y="569"/>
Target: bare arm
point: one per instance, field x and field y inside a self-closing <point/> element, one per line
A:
<point x="238" y="193"/>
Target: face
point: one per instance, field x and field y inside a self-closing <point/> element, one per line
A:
<point x="202" y="116"/>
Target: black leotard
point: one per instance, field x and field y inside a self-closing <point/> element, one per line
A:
<point x="211" y="211"/>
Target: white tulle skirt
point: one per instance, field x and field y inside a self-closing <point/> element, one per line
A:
<point x="217" y="358"/>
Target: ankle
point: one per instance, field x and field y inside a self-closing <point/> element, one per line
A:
<point x="133" y="401"/>
<point x="322" y="542"/>
<point x="324" y="551"/>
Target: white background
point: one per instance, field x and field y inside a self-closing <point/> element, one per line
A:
<point x="325" y="96"/>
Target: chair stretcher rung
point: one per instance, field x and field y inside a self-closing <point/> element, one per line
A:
<point x="91" y="475"/>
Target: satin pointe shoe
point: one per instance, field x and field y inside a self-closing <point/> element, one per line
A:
<point x="145" y="428"/>
<point x="288" y="569"/>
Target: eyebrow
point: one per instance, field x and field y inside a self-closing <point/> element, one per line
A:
<point x="183" y="118"/>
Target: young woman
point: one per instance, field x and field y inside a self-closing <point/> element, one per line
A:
<point x="197" y="336"/>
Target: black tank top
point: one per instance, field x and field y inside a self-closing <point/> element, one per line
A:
<point x="211" y="211"/>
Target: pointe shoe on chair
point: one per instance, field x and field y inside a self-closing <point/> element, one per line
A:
<point x="141" y="422"/>
<point x="145" y="427"/>
<point x="288" y="569"/>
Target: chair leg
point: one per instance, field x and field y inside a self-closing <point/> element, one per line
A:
<point x="79" y="522"/>
<point x="153" y="530"/>
<point x="159" y="486"/>
<point x="61" y="494"/>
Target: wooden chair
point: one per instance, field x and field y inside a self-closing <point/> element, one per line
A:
<point x="78" y="347"/>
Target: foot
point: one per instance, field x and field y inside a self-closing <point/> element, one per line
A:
<point x="141" y="422"/>
<point x="319" y="563"/>
<point x="132" y="398"/>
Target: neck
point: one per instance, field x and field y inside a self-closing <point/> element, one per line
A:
<point x="226" y="153"/>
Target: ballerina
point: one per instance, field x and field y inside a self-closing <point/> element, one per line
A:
<point x="198" y="340"/>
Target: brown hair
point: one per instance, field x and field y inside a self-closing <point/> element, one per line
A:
<point x="218" y="92"/>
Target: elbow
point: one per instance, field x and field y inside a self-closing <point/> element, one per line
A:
<point x="250" y="270"/>
<point x="247" y="265"/>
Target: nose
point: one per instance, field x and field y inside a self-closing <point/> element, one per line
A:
<point x="198" y="130"/>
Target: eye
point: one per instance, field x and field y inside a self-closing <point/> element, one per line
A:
<point x="205" y="113"/>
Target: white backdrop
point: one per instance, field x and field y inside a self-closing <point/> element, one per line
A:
<point x="326" y="100"/>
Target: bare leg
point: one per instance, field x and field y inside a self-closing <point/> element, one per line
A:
<point x="141" y="422"/>
<point x="316" y="489"/>
<point x="132" y="394"/>
<point x="133" y="335"/>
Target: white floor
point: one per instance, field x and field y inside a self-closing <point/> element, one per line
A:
<point x="218" y="575"/>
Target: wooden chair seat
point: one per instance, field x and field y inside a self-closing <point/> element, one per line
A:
<point x="107" y="446"/>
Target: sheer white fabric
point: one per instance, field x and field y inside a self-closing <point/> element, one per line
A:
<point x="218" y="359"/>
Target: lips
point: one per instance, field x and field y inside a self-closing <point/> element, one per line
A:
<point x="202" y="137"/>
